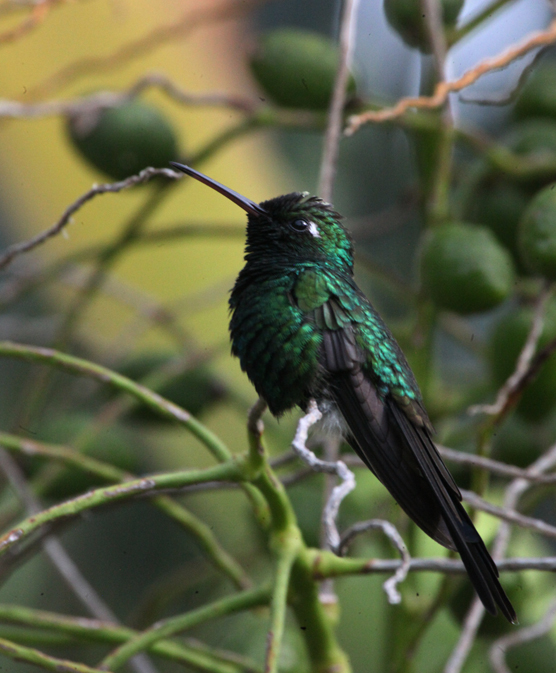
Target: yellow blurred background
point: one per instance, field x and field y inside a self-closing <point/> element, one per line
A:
<point x="41" y="174"/>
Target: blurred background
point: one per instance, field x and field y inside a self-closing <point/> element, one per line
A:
<point x="139" y="281"/>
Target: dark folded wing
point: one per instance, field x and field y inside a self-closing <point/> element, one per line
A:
<point x="377" y="440"/>
<point x="402" y="455"/>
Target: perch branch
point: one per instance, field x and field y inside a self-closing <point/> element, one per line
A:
<point x="339" y="468"/>
<point x="443" y="89"/>
<point x="144" y="176"/>
<point x="331" y="145"/>
<point x="391" y="585"/>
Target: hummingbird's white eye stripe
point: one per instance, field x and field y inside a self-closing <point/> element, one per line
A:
<point x="314" y="230"/>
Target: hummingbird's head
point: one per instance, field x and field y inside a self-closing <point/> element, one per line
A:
<point x="295" y="226"/>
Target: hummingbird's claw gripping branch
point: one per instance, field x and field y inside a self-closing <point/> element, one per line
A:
<point x="391" y="532"/>
<point x="339" y="468"/>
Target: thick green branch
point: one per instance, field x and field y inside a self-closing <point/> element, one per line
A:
<point x="169" y="627"/>
<point x="286" y="553"/>
<point x="324" y="651"/>
<point x="229" y="471"/>
<point x="92" y="370"/>
<point x="294" y="578"/>
<point x="65" y="455"/>
<point x="195" y="656"/>
<point x="142" y="394"/>
<point x="202" y="533"/>
<point x="33" y="656"/>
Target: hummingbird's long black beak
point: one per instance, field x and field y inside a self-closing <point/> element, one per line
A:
<point x="238" y="199"/>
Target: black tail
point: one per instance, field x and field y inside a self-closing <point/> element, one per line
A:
<point x="403" y="456"/>
<point x="480" y="567"/>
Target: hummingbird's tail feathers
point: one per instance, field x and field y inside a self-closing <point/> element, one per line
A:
<point x="378" y="444"/>
<point x="404" y="458"/>
<point x="480" y="567"/>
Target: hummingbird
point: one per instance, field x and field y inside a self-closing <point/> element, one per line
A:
<point x="303" y="330"/>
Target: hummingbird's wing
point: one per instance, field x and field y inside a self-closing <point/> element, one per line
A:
<point x="390" y="431"/>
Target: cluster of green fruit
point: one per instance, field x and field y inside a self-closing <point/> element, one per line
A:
<point x="294" y="69"/>
<point x="472" y="267"/>
<point x="468" y="268"/>
<point x="509" y="230"/>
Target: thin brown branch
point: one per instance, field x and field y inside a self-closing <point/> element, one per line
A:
<point x="216" y="99"/>
<point x="11" y="109"/>
<point x="113" y="187"/>
<point x="510" y="515"/>
<point x="333" y="133"/>
<point x="36" y="17"/>
<point x="443" y="89"/>
<point x="514" y="386"/>
<point x="508" y="98"/>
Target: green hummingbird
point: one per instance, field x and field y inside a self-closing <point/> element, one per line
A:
<point x="302" y="330"/>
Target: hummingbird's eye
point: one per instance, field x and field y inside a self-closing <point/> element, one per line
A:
<point x="299" y="225"/>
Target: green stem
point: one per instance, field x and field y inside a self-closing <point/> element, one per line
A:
<point x="287" y="552"/>
<point x="64" y="455"/>
<point x="92" y="370"/>
<point x="162" y="406"/>
<point x="171" y="626"/>
<point x="325" y="654"/>
<point x="482" y="16"/>
<point x="232" y="470"/>
<point x="35" y="638"/>
<point x="196" y="656"/>
<point x="32" y="656"/>
<point x="105" y="471"/>
<point x="479" y="476"/>
<point x="439" y="202"/>
<point x="293" y="564"/>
